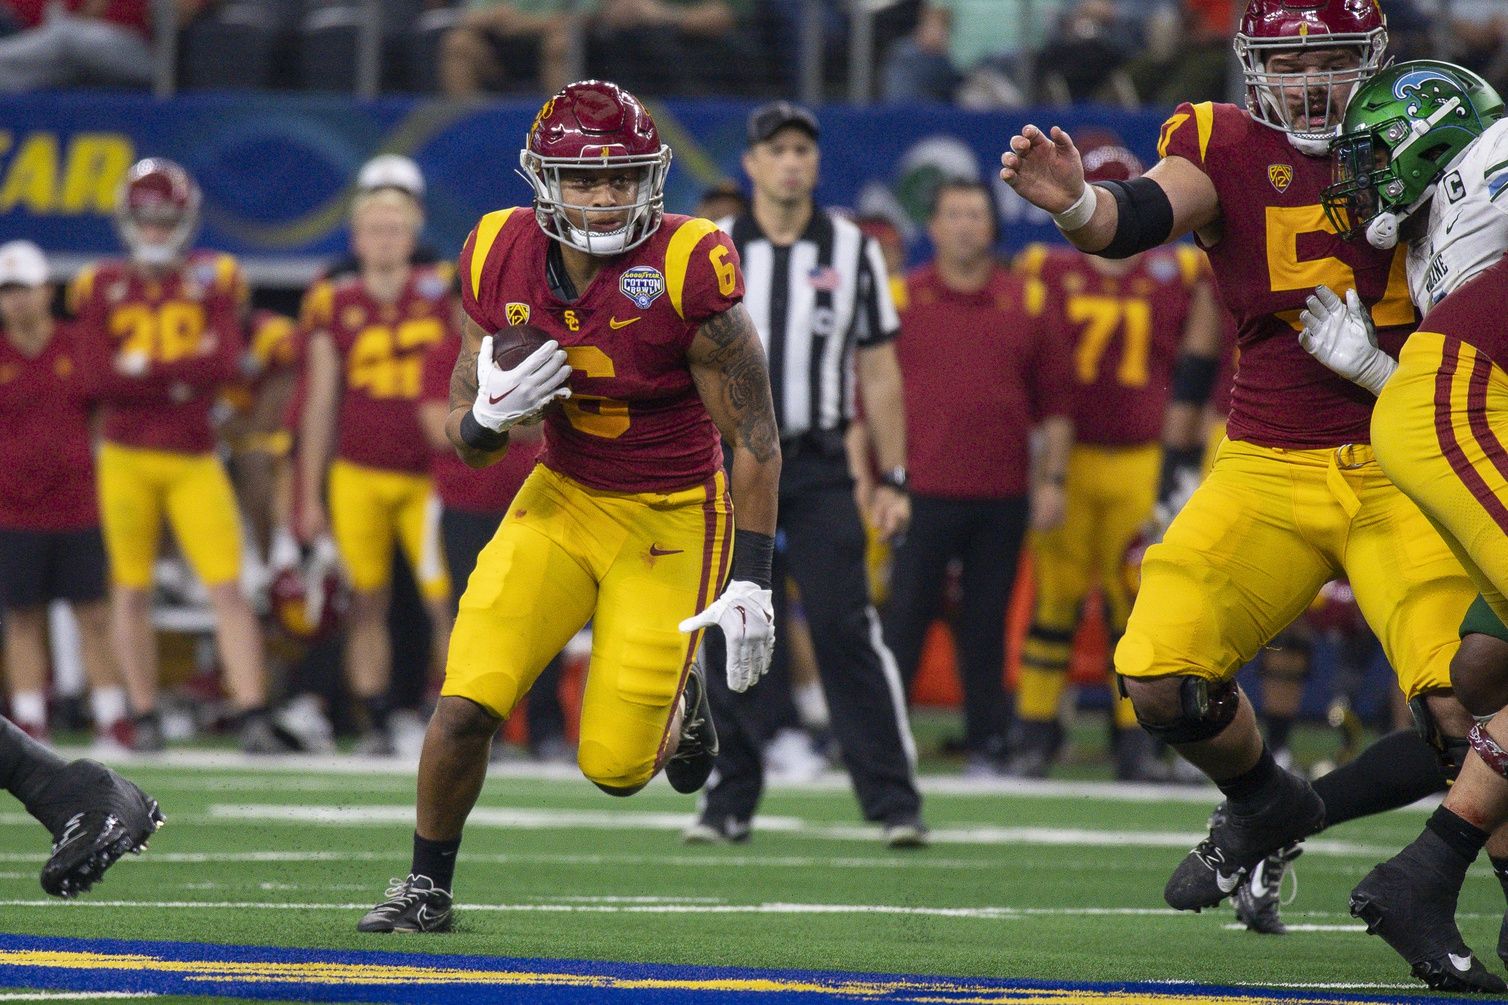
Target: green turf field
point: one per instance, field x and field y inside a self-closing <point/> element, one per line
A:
<point x="1060" y="881"/>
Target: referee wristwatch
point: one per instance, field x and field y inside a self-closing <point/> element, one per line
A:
<point x="896" y="478"/>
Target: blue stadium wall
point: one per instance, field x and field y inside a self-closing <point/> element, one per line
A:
<point x="276" y="169"/>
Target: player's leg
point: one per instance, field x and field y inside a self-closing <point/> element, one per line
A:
<point x="94" y="815"/>
<point x="201" y="507"/>
<point x="916" y="580"/>
<point x="1436" y="439"/>
<point x="526" y="598"/>
<point x="419" y="535"/>
<point x="79" y="580"/>
<point x="669" y="563"/>
<point x="363" y="526"/>
<point x="1127" y="489"/>
<point x="1233" y="569"/>
<point x="1062" y="566"/>
<point x="131" y="497"/>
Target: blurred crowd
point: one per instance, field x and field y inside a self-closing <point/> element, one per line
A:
<point x="977" y="53"/>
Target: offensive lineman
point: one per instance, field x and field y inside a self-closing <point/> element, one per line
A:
<point x="1295" y="496"/>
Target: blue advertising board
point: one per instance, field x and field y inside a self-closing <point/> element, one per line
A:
<point x="277" y="169"/>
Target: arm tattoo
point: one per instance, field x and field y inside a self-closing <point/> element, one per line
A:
<point x="742" y="385"/>
<point x="463" y="385"/>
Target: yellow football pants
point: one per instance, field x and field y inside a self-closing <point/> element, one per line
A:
<point x="369" y="509"/>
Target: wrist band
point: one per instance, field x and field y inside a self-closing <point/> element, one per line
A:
<point x="1079" y="213"/>
<point x="479" y="437"/>
<point x="753" y="556"/>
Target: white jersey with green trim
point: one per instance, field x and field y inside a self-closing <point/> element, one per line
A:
<point x="1468" y="220"/>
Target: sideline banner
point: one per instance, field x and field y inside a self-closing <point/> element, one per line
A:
<point x="277" y="169"/>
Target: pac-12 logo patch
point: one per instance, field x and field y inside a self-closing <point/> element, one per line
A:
<point x="642" y="284"/>
<point x="1281" y="176"/>
<point x="517" y="314"/>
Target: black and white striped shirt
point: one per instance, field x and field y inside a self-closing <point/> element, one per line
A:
<point x="812" y="303"/>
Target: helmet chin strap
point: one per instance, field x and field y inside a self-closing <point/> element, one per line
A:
<point x="1310" y="146"/>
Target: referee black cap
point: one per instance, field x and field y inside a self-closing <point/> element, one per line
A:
<point x="768" y="119"/>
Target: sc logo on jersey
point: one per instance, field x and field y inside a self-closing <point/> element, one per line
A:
<point x="642" y="284"/>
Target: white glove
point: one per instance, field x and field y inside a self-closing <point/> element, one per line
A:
<point x="1341" y="336"/>
<point x="284" y="553"/>
<point x="747" y="618"/>
<point x="506" y="397"/>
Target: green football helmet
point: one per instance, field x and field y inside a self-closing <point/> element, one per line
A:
<point x="1401" y="131"/>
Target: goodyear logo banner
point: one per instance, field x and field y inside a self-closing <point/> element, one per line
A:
<point x="277" y="169"/>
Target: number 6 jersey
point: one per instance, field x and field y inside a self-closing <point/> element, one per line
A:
<point x="1270" y="199"/>
<point x="634" y="421"/>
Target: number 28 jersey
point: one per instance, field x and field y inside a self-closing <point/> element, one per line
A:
<point x="634" y="421"/>
<point x="1275" y="247"/>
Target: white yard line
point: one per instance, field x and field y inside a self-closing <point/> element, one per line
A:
<point x="573" y="819"/>
<point x="72" y="996"/>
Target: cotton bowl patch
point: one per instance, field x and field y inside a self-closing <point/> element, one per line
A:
<point x="642" y="284"/>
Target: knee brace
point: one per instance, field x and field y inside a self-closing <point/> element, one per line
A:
<point x="1205" y="709"/>
<point x="1451" y="750"/>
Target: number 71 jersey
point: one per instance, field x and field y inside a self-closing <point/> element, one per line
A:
<point x="1275" y="247"/>
<point x="634" y="421"/>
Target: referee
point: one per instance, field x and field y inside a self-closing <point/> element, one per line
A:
<point x="816" y="289"/>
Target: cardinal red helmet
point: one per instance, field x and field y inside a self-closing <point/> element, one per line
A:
<point x="309" y="602"/>
<point x="159" y="194"/>
<point x="1335" y="610"/>
<point x="1270" y="26"/>
<point x="596" y="125"/>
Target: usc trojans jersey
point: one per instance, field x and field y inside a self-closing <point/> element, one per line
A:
<point x="634" y="421"/>
<point x="1125" y="331"/>
<point x="1270" y="199"/>
<point x="382" y="348"/>
<point x="186" y="322"/>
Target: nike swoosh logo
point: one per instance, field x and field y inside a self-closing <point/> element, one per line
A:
<point x="1461" y="963"/>
<point x="1227" y="883"/>
<point x="615" y="324"/>
<point x="494" y="399"/>
<point x="656" y="550"/>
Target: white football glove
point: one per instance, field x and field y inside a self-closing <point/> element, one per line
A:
<point x="1341" y="336"/>
<point x="506" y="397"/>
<point x="746" y="616"/>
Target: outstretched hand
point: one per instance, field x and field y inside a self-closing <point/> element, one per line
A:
<point x="1043" y="168"/>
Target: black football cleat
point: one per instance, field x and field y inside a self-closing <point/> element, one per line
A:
<point x="1412" y="906"/>
<point x="1257" y="897"/>
<point x="691" y="764"/>
<point x="413" y="904"/>
<point x="110" y="817"/>
<point x="1237" y="842"/>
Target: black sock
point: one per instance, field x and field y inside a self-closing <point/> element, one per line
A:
<point x="27" y="768"/>
<point x="1397" y="770"/>
<point x="1249" y="786"/>
<point x="1278" y="729"/>
<point x="377" y="709"/>
<point x="435" y="859"/>
<point x="1464" y="838"/>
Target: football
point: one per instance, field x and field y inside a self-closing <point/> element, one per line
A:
<point x="514" y="344"/>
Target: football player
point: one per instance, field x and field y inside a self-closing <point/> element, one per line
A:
<point x="1424" y="156"/>
<point x="366" y="337"/>
<point x="1295" y="496"/>
<point x="1129" y="322"/>
<point x="628" y="520"/>
<point x="165" y="323"/>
